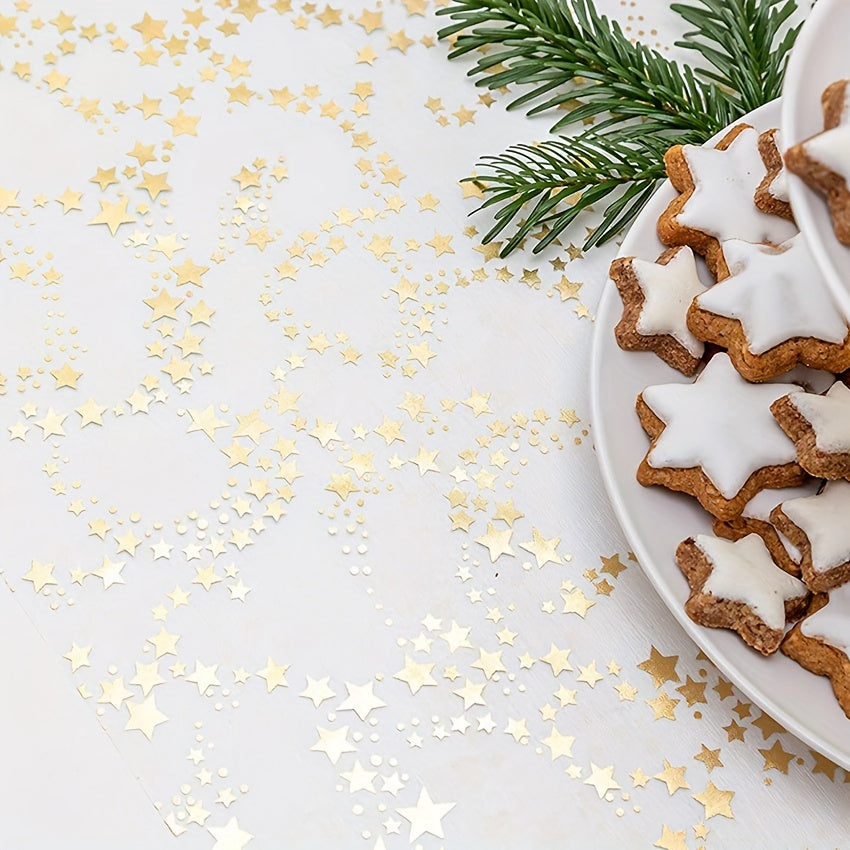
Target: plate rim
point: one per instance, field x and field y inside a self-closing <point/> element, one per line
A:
<point x="809" y="205"/>
<point x="702" y="637"/>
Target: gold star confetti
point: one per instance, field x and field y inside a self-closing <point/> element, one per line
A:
<point x="557" y="659"/>
<point x="715" y="801"/>
<point x="333" y="743"/>
<point x="672" y="777"/>
<point x="426" y="816"/>
<point x="145" y="716"/>
<point x="671" y="840"/>
<point x="663" y="706"/>
<point x="40" y="574"/>
<point x="497" y="541"/>
<point x="544" y="551"/>
<point x="776" y="758"/>
<point x="415" y="675"/>
<point x="113" y="215"/>
<point x="662" y="668"/>
<point x="602" y="779"/>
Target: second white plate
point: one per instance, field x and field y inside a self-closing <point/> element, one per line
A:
<point x="820" y="57"/>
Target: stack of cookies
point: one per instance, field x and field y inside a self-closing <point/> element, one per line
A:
<point x="761" y="436"/>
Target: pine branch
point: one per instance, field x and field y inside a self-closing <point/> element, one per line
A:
<point x="566" y="56"/>
<point x="746" y="41"/>
<point x="566" y="51"/>
<point x="551" y="183"/>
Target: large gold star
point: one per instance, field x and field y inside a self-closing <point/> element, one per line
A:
<point x="184" y="125"/>
<point x="342" y="485"/>
<point x="150" y="28"/>
<point x="333" y="743"/>
<point x="710" y="758"/>
<point x="663" y="706"/>
<point x="78" y="656"/>
<point x="671" y="840"/>
<point x="113" y="215"/>
<point x="497" y="541"/>
<point x="424" y="460"/>
<point x="40" y="575"/>
<point x="426" y="816"/>
<point x="70" y="201"/>
<point x="559" y="744"/>
<point x="489" y="663"/>
<point x="545" y="551"/>
<point x="145" y="716"/>
<point x="66" y="376"/>
<point x="154" y="184"/>
<point x="164" y="643"/>
<point x="415" y="675"/>
<point x="164" y="305"/>
<point x="390" y="430"/>
<point x="204" y="676"/>
<point x="8" y="199"/>
<point x="274" y="675"/>
<point x="205" y="420"/>
<point x="715" y="801"/>
<point x="602" y="779"/>
<point x="672" y="777"/>
<point x="557" y="659"/>
<point x="776" y="758"/>
<point x="189" y="272"/>
<point x="110" y="572"/>
<point x="51" y="425"/>
<point x="662" y="668"/>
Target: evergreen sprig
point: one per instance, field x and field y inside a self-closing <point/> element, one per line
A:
<point x="563" y="55"/>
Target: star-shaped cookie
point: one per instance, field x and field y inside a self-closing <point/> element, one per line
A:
<point x="821" y="643"/>
<point x="818" y="526"/>
<point x="656" y="297"/>
<point x="716" y="203"/>
<point x="773" y="311"/>
<point x="717" y="439"/>
<point x="736" y="585"/>
<point x="819" y="425"/>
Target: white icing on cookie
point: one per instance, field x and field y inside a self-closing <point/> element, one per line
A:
<point x="824" y="520"/>
<point x="743" y="571"/>
<point x="778" y="187"/>
<point x="829" y="416"/>
<point x="668" y="290"/>
<point x="832" y="150"/>
<point x="832" y="622"/>
<point x="720" y="423"/>
<point x="776" y="293"/>
<point x="760" y="506"/>
<point x="725" y="183"/>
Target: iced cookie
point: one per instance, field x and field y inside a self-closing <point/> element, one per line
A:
<point x="656" y="297"/>
<point x="819" y="526"/>
<point x="821" y="644"/>
<point x="736" y="585"/>
<point x="755" y="519"/>
<point x="819" y="425"/>
<point x="823" y="160"/>
<point x="771" y="195"/>
<point x="772" y="311"/>
<point x="717" y="186"/>
<point x="716" y="439"/>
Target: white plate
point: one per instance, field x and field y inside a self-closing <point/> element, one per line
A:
<point x="656" y="520"/>
<point x="820" y="57"/>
